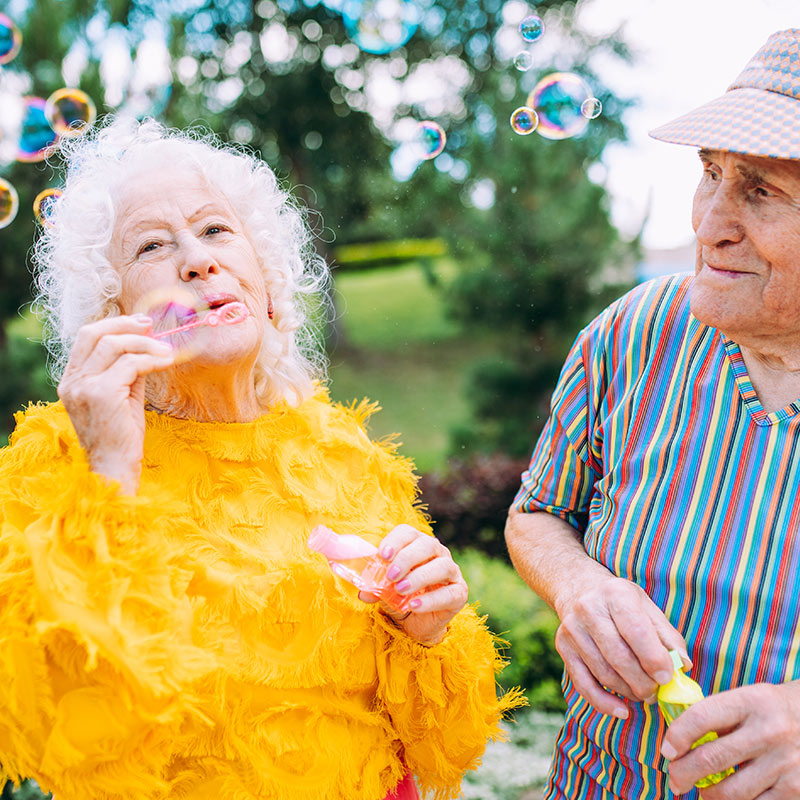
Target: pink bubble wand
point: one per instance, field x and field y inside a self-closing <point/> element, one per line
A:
<point x="229" y="314"/>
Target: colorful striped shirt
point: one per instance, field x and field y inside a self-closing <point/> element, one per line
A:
<point x="658" y="451"/>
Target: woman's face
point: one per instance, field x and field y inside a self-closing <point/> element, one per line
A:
<point x="176" y="232"/>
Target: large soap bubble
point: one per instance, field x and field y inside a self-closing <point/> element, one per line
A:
<point x="9" y="203"/>
<point x="36" y="136"/>
<point x="380" y="26"/>
<point x="70" y="112"/>
<point x="558" y="99"/>
<point x="44" y="203"/>
<point x="10" y="39"/>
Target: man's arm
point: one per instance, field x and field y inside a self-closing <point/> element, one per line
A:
<point x="614" y="640"/>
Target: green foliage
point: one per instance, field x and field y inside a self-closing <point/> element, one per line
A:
<point x="468" y="500"/>
<point x="521" y="618"/>
<point x="22" y="363"/>
<point x="27" y="790"/>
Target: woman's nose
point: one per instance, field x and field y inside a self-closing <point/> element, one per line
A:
<point x="197" y="260"/>
<point x="716" y="216"/>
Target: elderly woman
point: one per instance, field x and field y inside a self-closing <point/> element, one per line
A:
<point x="661" y="507"/>
<point x="165" y="630"/>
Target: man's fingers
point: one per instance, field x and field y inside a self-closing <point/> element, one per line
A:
<point x="641" y="634"/>
<point x="588" y="687"/>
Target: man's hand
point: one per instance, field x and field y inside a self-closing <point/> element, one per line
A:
<point x="759" y="730"/>
<point x="614" y="639"/>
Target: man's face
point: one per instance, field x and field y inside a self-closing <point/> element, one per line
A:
<point x="746" y="216"/>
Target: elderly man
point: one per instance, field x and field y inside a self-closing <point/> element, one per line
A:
<point x="661" y="507"/>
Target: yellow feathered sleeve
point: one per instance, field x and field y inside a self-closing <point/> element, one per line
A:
<point x="90" y="613"/>
<point x="443" y="701"/>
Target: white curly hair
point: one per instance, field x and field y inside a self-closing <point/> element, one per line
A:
<point x="76" y="283"/>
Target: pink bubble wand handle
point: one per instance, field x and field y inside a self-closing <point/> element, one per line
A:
<point x="229" y="314"/>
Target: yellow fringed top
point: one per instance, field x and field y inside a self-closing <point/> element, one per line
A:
<point x="186" y="643"/>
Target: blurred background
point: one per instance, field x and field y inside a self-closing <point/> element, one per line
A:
<point x="466" y="253"/>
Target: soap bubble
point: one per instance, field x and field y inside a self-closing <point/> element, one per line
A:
<point x="429" y="140"/>
<point x="10" y="39"/>
<point x="9" y="203"/>
<point x="44" y="203"/>
<point x="524" y="120"/>
<point x="70" y="112"/>
<point x="36" y="136"/>
<point x="532" y="28"/>
<point x="591" y="108"/>
<point x="523" y="61"/>
<point x="558" y="99"/>
<point x="174" y="308"/>
<point x="380" y="26"/>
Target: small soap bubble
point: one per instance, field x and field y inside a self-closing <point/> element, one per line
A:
<point x="429" y="140"/>
<point x="523" y="61"/>
<point x="9" y="203"/>
<point x="524" y="120"/>
<point x="36" y="136"/>
<point x="532" y="28"/>
<point x="173" y="308"/>
<point x="380" y="26"/>
<point x="558" y="99"/>
<point x="591" y="108"/>
<point x="70" y="112"/>
<point x="10" y="39"/>
<point x="44" y="203"/>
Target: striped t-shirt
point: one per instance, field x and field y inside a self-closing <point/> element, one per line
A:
<point x="658" y="452"/>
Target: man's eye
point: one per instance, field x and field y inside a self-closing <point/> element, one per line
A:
<point x="762" y="191"/>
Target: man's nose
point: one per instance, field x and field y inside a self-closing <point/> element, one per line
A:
<point x="197" y="259"/>
<point x="717" y="216"/>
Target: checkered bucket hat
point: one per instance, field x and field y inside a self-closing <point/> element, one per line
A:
<point x="759" y="115"/>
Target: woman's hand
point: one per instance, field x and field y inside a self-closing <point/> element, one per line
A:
<point x="614" y="641"/>
<point x="103" y="392"/>
<point x="418" y="561"/>
<point x="759" y="729"/>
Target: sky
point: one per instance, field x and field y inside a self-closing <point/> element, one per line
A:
<point x="688" y="52"/>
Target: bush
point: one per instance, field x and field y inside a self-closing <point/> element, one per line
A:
<point x="468" y="500"/>
<point x="521" y="618"/>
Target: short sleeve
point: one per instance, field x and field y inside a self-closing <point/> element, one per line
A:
<point x="567" y="459"/>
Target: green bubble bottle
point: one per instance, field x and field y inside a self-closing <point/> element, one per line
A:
<point x="675" y="697"/>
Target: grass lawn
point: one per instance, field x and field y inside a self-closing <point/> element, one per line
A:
<point x="399" y="349"/>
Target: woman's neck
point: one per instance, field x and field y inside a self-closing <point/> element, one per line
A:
<point x="204" y="394"/>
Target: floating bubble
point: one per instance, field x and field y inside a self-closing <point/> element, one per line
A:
<point x="591" y="108"/>
<point x="429" y="140"/>
<point x="36" y="136"/>
<point x="175" y="308"/>
<point x="10" y="39"/>
<point x="44" y="203"/>
<point x="9" y="203"/>
<point x="532" y="28"/>
<point x="380" y="26"/>
<point x="523" y="61"/>
<point x="558" y="99"/>
<point x="524" y="120"/>
<point x="186" y="322"/>
<point x="70" y="112"/>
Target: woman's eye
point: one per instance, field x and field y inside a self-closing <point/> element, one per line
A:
<point x="212" y="229"/>
<point x="148" y="248"/>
